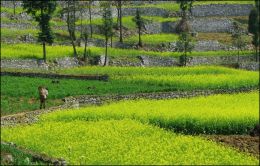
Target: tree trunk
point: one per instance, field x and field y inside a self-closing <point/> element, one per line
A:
<point x="14" y="3"/>
<point x="185" y="58"/>
<point x="105" y="63"/>
<point x="256" y="54"/>
<point x="43" y="42"/>
<point x="85" y="50"/>
<point x="90" y="18"/>
<point x="74" y="20"/>
<point x="238" y="56"/>
<point x="44" y="51"/>
<point x="140" y="40"/>
<point x="71" y="31"/>
<point x="111" y="41"/>
<point x="81" y="23"/>
<point x="74" y="47"/>
<point x="118" y="17"/>
<point x="120" y="21"/>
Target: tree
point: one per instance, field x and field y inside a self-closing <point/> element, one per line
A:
<point x="253" y="27"/>
<point x="90" y="17"/>
<point x="238" y="41"/>
<point x="107" y="26"/>
<point x="85" y="36"/>
<point x="119" y="8"/>
<point x="14" y="6"/>
<point x="42" y="12"/>
<point x="184" y="44"/>
<point x="70" y="10"/>
<point x="185" y="6"/>
<point x="139" y="21"/>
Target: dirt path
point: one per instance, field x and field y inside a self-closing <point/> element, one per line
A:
<point x="244" y="143"/>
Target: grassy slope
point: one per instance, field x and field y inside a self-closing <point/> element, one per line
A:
<point x="120" y="142"/>
<point x="21" y="92"/>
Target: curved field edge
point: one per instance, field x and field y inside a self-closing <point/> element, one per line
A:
<point x="121" y="142"/>
<point x="216" y="114"/>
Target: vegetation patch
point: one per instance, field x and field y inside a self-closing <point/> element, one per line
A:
<point x="154" y="38"/>
<point x="120" y="142"/>
<point x="22" y="92"/>
<point x="23" y="51"/>
<point x="217" y="114"/>
<point x="18" y="157"/>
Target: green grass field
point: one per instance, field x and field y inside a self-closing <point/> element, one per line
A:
<point x="154" y="38"/>
<point x="120" y="142"/>
<point x="22" y="93"/>
<point x="23" y="51"/>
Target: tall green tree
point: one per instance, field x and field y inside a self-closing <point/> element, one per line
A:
<point x="184" y="45"/>
<point x="42" y="12"/>
<point x="253" y="27"/>
<point x="107" y="27"/>
<point x="237" y="38"/>
<point x="139" y="21"/>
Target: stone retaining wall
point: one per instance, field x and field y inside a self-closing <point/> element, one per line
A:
<point x="142" y="60"/>
<point x="39" y="63"/>
<point x="37" y="156"/>
<point x="159" y="61"/>
<point x="211" y="25"/>
<point x="97" y="100"/>
<point x="217" y="25"/>
<point x="254" y="66"/>
<point x="209" y="60"/>
<point x="56" y="76"/>
<point x="222" y="10"/>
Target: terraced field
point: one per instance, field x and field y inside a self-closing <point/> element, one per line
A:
<point x="105" y="135"/>
<point x="122" y="80"/>
<point x="27" y="51"/>
<point x="151" y="115"/>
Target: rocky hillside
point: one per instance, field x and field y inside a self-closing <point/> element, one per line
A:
<point x="210" y="22"/>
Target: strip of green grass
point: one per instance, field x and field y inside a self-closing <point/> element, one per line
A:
<point x="121" y="142"/>
<point x="18" y="10"/>
<point x="20" y="93"/>
<point x="153" y="38"/>
<point x="24" y="51"/>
